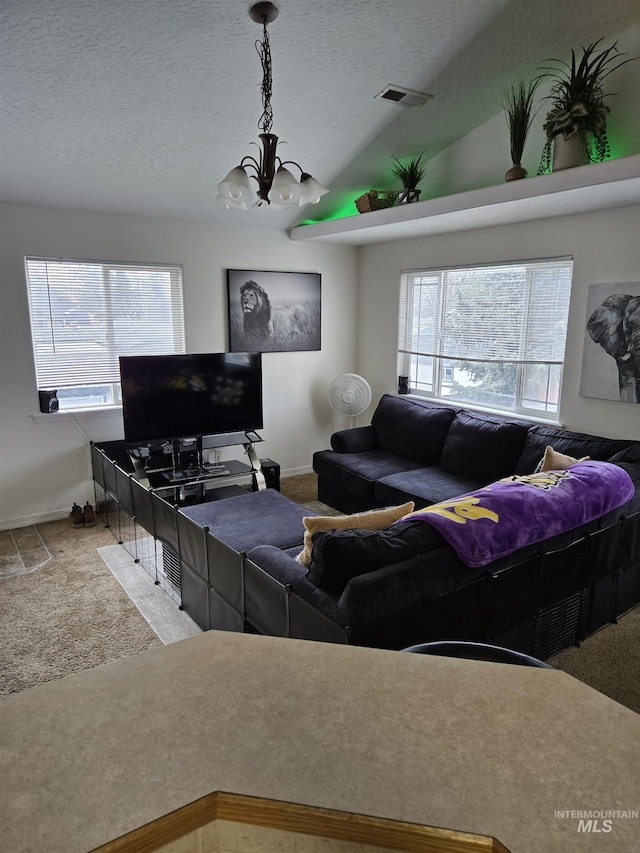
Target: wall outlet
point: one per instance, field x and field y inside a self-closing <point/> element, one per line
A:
<point x="217" y="456"/>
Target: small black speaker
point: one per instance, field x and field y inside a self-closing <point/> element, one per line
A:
<point x="271" y="472"/>
<point x="49" y="401"/>
<point x="403" y="384"/>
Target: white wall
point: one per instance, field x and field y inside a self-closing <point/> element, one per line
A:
<point x="44" y="462"/>
<point x="605" y="248"/>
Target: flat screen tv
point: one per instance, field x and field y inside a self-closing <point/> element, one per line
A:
<point x="184" y="396"/>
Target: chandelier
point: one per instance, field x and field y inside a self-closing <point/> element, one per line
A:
<point x="276" y="185"/>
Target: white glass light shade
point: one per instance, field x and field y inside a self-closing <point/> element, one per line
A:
<point x="231" y="202"/>
<point x="236" y="186"/>
<point x="284" y="189"/>
<point x="311" y="189"/>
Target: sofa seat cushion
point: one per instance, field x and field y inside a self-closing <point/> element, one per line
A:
<point x="575" y="444"/>
<point x="412" y="427"/>
<point x="257" y="518"/>
<point x="423" y="486"/>
<point x="358" y="472"/>
<point x="483" y="447"/>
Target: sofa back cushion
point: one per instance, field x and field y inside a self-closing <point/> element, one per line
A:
<point x="483" y="447"/>
<point x="412" y="428"/>
<point x="340" y="555"/>
<point x="577" y="444"/>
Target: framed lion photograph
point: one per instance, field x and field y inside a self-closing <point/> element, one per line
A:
<point x="273" y="311"/>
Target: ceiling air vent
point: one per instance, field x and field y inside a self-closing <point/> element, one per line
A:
<point x="404" y="97"/>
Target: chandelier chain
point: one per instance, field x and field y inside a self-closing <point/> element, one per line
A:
<point x="264" y="52"/>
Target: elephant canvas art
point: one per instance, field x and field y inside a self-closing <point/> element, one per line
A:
<point x="611" y="360"/>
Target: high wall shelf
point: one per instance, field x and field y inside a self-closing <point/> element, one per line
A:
<point x="584" y="189"/>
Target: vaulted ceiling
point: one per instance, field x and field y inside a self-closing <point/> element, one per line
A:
<point x="142" y="106"/>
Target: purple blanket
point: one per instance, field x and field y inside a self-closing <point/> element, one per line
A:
<point x="520" y="510"/>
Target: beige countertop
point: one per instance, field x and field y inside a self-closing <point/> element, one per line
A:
<point x="486" y="748"/>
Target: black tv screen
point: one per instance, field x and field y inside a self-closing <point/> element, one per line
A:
<point x="184" y="396"/>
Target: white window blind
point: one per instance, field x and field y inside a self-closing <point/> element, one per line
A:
<point x="85" y="314"/>
<point x="491" y="334"/>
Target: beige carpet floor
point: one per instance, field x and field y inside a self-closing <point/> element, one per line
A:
<point x="70" y="613"/>
<point x="609" y="660"/>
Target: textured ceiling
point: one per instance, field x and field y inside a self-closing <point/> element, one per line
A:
<point x="143" y="106"/>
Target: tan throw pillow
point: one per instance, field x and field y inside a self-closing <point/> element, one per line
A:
<point x="376" y="519"/>
<point x="555" y="461"/>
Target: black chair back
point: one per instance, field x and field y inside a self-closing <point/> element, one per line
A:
<point x="476" y="651"/>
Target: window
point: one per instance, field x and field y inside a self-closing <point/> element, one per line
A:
<point x="85" y="314"/>
<point x="489" y="335"/>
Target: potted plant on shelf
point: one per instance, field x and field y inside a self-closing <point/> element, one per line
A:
<point x="518" y="106"/>
<point x="410" y="175"/>
<point x="576" y="124"/>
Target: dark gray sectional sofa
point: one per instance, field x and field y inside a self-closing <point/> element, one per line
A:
<point x="406" y="585"/>
<point x="538" y="599"/>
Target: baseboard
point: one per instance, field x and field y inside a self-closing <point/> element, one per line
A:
<point x="294" y="472"/>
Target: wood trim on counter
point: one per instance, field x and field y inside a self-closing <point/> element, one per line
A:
<point x="293" y="817"/>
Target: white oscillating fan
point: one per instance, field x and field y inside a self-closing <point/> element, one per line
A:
<point x="349" y="395"/>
